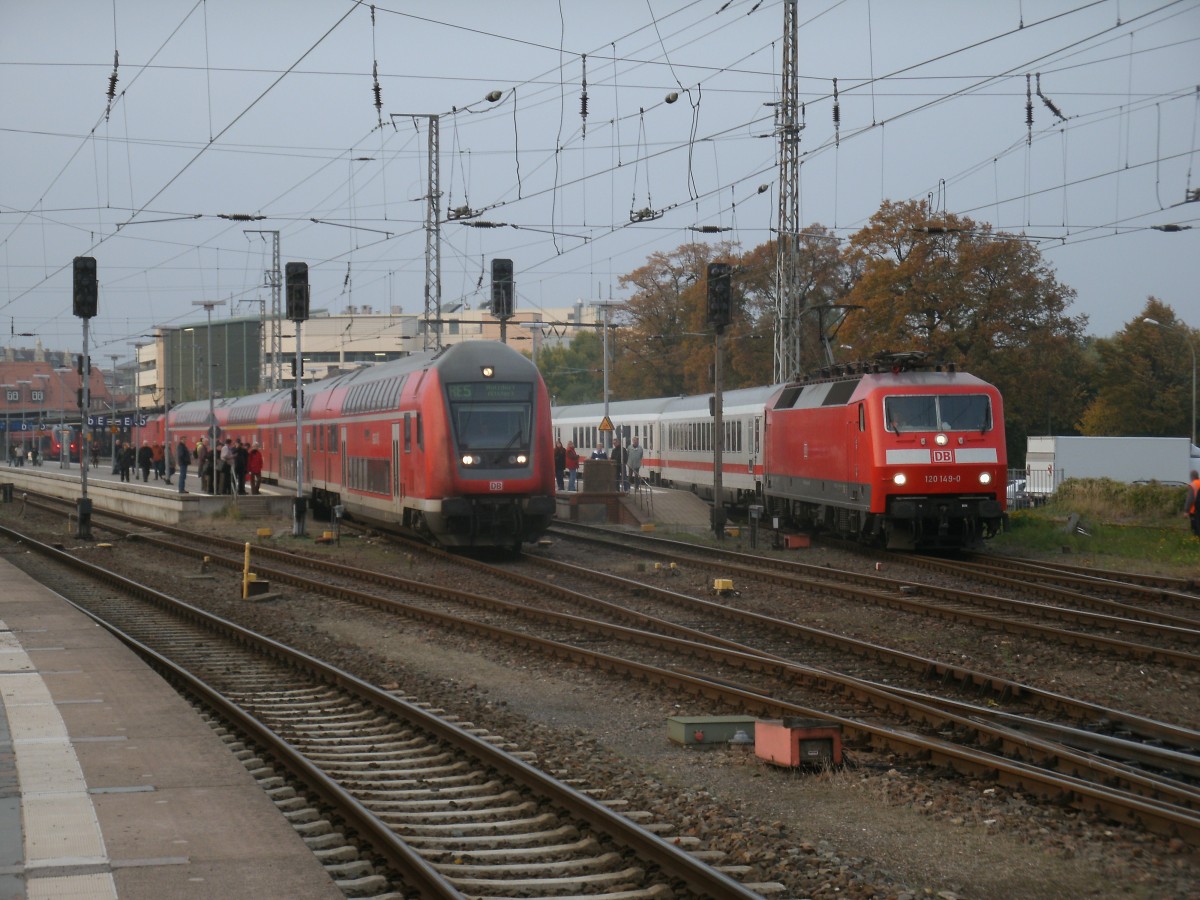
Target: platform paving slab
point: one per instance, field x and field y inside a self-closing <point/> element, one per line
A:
<point x="115" y="788"/>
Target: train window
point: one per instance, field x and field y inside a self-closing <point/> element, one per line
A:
<point x="408" y="432"/>
<point x="938" y="412"/>
<point x="420" y="433"/>
<point x="862" y="417"/>
<point x="964" y="412"/>
<point x="911" y="413"/>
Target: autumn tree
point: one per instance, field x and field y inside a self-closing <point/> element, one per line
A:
<point x="964" y="294"/>
<point x="666" y="345"/>
<point x="1144" y="382"/>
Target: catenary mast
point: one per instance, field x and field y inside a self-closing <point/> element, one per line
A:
<point x="788" y="316"/>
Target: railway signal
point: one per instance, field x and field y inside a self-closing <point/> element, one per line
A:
<point x="296" y="277"/>
<point x="85" y="290"/>
<point x="503" y="288"/>
<point x="720" y="299"/>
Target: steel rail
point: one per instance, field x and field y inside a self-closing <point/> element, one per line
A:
<point x="696" y="874"/>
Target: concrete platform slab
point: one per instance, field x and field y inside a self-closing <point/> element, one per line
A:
<point x="111" y="786"/>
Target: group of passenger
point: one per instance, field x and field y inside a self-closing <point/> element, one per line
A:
<point x="17" y="457"/>
<point x="628" y="460"/>
<point x="224" y="470"/>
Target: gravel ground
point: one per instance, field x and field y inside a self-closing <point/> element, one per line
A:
<point x="875" y="828"/>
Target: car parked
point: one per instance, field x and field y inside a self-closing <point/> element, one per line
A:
<point x="1017" y="496"/>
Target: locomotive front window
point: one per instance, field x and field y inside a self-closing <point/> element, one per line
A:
<point x="915" y="413"/>
<point x="491" y="416"/>
<point x="965" y="412"/>
<point x="938" y="412"/>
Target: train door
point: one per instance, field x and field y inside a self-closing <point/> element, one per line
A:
<point x="344" y="457"/>
<point x="308" y="454"/>
<point x="756" y="453"/>
<point x="395" y="459"/>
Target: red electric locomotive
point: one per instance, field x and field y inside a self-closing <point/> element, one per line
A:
<point x="907" y="454"/>
<point x="454" y="445"/>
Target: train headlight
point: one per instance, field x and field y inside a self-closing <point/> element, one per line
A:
<point x="487" y="371"/>
<point x="469" y="460"/>
<point x="941" y="440"/>
<point x="520" y="459"/>
<point x="899" y="479"/>
<point x="985" y="477"/>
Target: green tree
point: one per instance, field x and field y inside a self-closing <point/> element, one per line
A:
<point x="1144" y="382"/>
<point x="573" y="371"/>
<point x="983" y="300"/>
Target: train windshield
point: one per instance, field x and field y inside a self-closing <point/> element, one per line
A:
<point x="938" y="412"/>
<point x="491" y="415"/>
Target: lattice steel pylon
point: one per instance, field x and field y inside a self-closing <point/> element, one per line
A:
<point x="271" y="368"/>
<point x="788" y="314"/>
<point x="433" y="241"/>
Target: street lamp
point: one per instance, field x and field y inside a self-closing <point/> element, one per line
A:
<point x="605" y="307"/>
<point x="42" y="416"/>
<point x="7" y="433"/>
<point x="29" y="382"/>
<point x="1191" y="346"/>
<point x="137" y="388"/>
<point x="209" y="306"/>
<point x="64" y="462"/>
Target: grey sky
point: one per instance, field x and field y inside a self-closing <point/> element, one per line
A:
<point x="227" y="107"/>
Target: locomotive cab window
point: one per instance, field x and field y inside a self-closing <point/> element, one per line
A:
<point x="934" y="412"/>
<point x="492" y="421"/>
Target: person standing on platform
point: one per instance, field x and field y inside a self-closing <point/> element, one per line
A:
<point x="254" y="464"/>
<point x="183" y="458"/>
<point x="599" y="453"/>
<point x="633" y="464"/>
<point x="618" y="456"/>
<point x="225" y="468"/>
<point x="202" y="465"/>
<point x="560" y="462"/>
<point x="145" y="459"/>
<point x="572" y="465"/>
<point x="159" y="461"/>
<point x="241" y="459"/>
<point x="127" y="461"/>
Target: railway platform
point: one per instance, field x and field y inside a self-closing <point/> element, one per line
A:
<point x="154" y="499"/>
<point x="112" y="785"/>
<point x="649" y="505"/>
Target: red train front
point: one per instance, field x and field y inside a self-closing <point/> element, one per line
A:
<point x="910" y="456"/>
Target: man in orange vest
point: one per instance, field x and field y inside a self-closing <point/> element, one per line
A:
<point x="1192" y="506"/>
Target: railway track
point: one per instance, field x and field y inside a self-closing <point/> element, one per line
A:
<point x="448" y="813"/>
<point x="1159" y="803"/>
<point x="1175" y="638"/>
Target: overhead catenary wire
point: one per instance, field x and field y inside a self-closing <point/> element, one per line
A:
<point x="564" y="184"/>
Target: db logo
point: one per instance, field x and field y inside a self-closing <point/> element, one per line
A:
<point x="943" y="456"/>
<point x="495" y="485"/>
